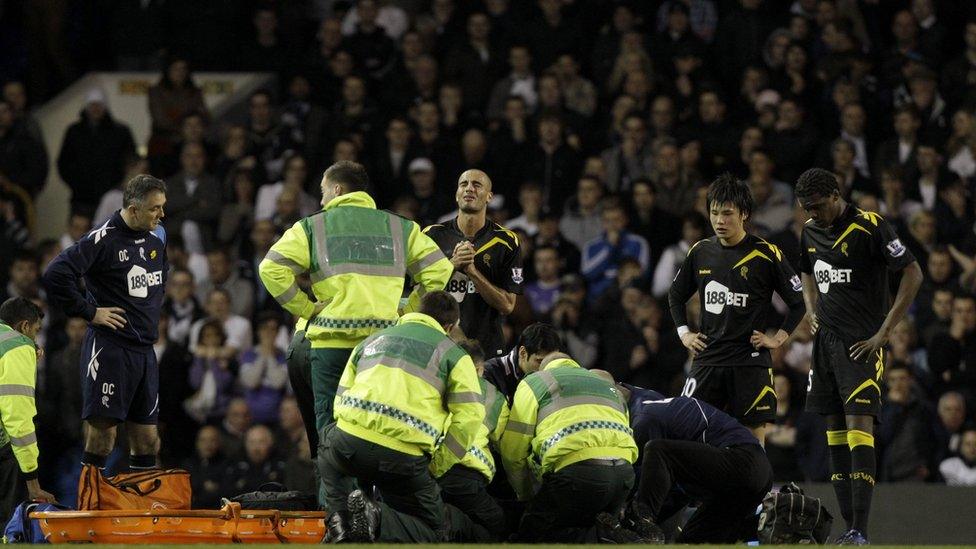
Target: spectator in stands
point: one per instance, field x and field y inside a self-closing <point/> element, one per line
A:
<point x="295" y="173"/>
<point x="957" y="74"/>
<point x="895" y="205"/>
<point x="180" y="258"/>
<point x="774" y="199"/>
<point x="906" y="438"/>
<point x="369" y="44"/>
<point x="267" y="140"/>
<point x="262" y="236"/>
<point x="224" y="275"/>
<point x="111" y="201"/>
<point x="532" y="203"/>
<point x="476" y="63"/>
<point x="212" y="375"/>
<point x="520" y="83"/>
<point x="23" y="159"/>
<point x="237" y="214"/>
<point x="15" y="94"/>
<point x="961" y="147"/>
<point x="659" y="227"/>
<point x="94" y="152"/>
<point x="551" y="162"/>
<point x="263" y="374"/>
<point x="234" y="426"/>
<point x="181" y="306"/>
<point x="580" y="95"/>
<point x="206" y="468"/>
<point x="632" y="159"/>
<point x="580" y="222"/>
<point x="79" y="223"/>
<point x="941" y="319"/>
<point x="952" y="416"/>
<point x="431" y="204"/>
<point x="603" y="255"/>
<point x="901" y="149"/>
<point x="174" y="362"/>
<point x="694" y="227"/>
<point x="715" y="132"/>
<point x="256" y="466"/>
<point x="194" y="199"/>
<point x="543" y="292"/>
<point x="952" y="354"/>
<point x="961" y="470"/>
<point x="781" y="437"/>
<point x="23" y="277"/>
<point x="237" y="329"/>
<point x="171" y="99"/>
<point x="60" y="393"/>
<point x="264" y="52"/>
<point x="793" y="142"/>
<point x="391" y="160"/>
<point x="674" y="187"/>
<point x="853" y="185"/>
<point x="290" y="431"/>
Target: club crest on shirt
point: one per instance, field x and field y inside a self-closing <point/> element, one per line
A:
<point x="517" y="275"/>
<point x="487" y="259"/>
<point x="843" y="249"/>
<point x="896" y="248"/>
<point x="152" y="254"/>
<point x="797" y="285"/>
<point x="744" y="271"/>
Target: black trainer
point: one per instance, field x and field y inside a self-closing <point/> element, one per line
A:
<point x="609" y="530"/>
<point x="338" y="531"/>
<point x="364" y="521"/>
<point x="638" y="518"/>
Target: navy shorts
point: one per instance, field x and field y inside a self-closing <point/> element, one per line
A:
<point x="118" y="382"/>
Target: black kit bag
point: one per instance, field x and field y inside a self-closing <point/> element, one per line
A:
<point x="272" y="495"/>
<point x="790" y="517"/>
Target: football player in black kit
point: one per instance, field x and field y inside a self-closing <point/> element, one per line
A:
<point x="487" y="264"/>
<point x="845" y="256"/>
<point x="734" y="274"/>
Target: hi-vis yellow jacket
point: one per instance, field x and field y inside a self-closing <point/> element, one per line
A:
<point x="489" y="435"/>
<point x="411" y="389"/>
<point x="357" y="257"/>
<point x="18" y="371"/>
<point x="561" y="415"/>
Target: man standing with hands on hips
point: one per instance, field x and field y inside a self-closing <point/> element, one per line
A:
<point x="487" y="264"/>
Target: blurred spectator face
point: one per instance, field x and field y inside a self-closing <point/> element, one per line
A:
<point x="235" y="142"/>
<point x="662" y="113"/>
<point x="474" y="147"/>
<point x="423" y="182"/>
<point x="826" y="13"/>
<point x="952" y="411"/>
<point x="289" y="416"/>
<point x="193" y="159"/>
<point x="753" y="81"/>
<point x="330" y="33"/>
<point x="691" y="232"/>
<point x="964" y="312"/>
<point x="450" y="98"/>
<point x="796" y="58"/>
<point x="643" y="196"/>
<point x="219" y="265"/>
<point x="710" y="108"/>
<point x="844" y="93"/>
<point x="514" y="109"/>
<point x="95" y="110"/>
<point x="550" y="132"/>
<point x="752" y="137"/>
<point x="406" y="206"/>
<point x="257" y="444"/>
<point x="398" y="134"/>
<point x="853" y="119"/>
<point x="967" y="447"/>
<point x="777" y="50"/>
<point x="760" y="167"/>
<point x="479" y="26"/>
<point x="667" y="161"/>
<point x="903" y="27"/>
<point x="842" y="153"/>
<point x="268" y="331"/>
<point x="906" y="125"/>
<point x="594" y="167"/>
<point x="614" y="220"/>
<point x="530" y="199"/>
<point x="962" y="123"/>
<point x="550" y="8"/>
<point x="922" y="9"/>
<point x="262" y="235"/>
<point x="799" y="28"/>
<point x="548" y="229"/>
<point x="353" y="90"/>
<point x="588" y="193"/>
<point x="244" y="187"/>
<point x="23" y="275"/>
<point x="412" y="45"/>
<point x="296" y="170"/>
<point x="211" y="335"/>
<point x="259" y="108"/>
<point x="891" y="186"/>
<point x="637" y="84"/>
<point x="6" y="116"/>
<point x="790" y="116"/>
<point x="286" y="207"/>
<point x="868" y="203"/>
<point x="942" y="304"/>
<point x="899" y="384"/>
<point x="677" y="22"/>
<point x="299" y="88"/>
<point x="428" y="117"/>
<point x="923" y="92"/>
<point x="344" y="150"/>
<point x="928" y="159"/>
<point x="367" y="10"/>
<point x="265" y="22"/>
<point x="632" y="41"/>
<point x="546" y="262"/>
<point x="15" y="94"/>
<point x="208" y="442"/>
<point x="549" y="93"/>
<point x="971" y="36"/>
<point x="75" y="329"/>
<point x="238" y="415"/>
<point x="180" y="286"/>
<point x="178" y="72"/>
<point x="750" y="4"/>
<point x="623" y="19"/>
<point x="635" y="130"/>
<point x="939" y="266"/>
<point x="691" y="155"/>
<point x="622" y="106"/>
<point x="341" y="64"/>
<point x="922" y="227"/>
<point x="566" y="67"/>
<point x="630" y="299"/>
<point x="218" y="305"/>
<point x="520" y="60"/>
<point x="78" y="225"/>
<point x="193" y="129"/>
<point x="903" y="335"/>
<point x="425" y="72"/>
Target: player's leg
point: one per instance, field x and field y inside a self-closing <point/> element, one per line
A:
<point x="143" y="409"/>
<point x="99" y="434"/>
<point x="753" y="399"/>
<point x="840" y="466"/>
<point x="103" y="377"/>
<point x="709" y="384"/>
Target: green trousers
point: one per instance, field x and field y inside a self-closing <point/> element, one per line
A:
<point x="565" y="508"/>
<point x="327" y="366"/>
<point x="412" y="510"/>
<point x="300" y="377"/>
<point x="466" y="489"/>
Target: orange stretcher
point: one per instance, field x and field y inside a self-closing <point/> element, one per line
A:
<point x="231" y="524"/>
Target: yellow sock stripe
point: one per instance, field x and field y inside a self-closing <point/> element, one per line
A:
<point x="858" y="438"/>
<point x="837" y="438"/>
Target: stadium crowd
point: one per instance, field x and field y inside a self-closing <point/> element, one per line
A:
<point x="600" y="123"/>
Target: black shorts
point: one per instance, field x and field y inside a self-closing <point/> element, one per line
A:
<point x="838" y="385"/>
<point x="118" y="382"/>
<point x="745" y="392"/>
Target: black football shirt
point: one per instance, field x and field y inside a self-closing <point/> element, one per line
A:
<point x="849" y="262"/>
<point x="735" y="286"/>
<point x="498" y="258"/>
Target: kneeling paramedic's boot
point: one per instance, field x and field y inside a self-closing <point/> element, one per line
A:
<point x="638" y="518"/>
<point x="338" y="531"/>
<point x="609" y="530"/>
<point x="364" y="521"/>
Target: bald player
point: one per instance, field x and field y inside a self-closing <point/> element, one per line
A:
<point x="487" y="264"/>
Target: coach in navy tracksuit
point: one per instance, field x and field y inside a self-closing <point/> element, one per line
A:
<point x="685" y="441"/>
<point x="123" y="263"/>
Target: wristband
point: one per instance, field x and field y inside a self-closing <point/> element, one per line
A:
<point x="682" y="330"/>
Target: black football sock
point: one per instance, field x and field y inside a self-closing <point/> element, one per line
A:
<point x="863" y="466"/>
<point x="840" y="469"/>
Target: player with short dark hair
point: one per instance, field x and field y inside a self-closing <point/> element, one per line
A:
<point x="845" y="256"/>
<point x="734" y="274"/>
<point x="534" y="343"/>
<point x="486" y="259"/>
<point x="124" y="266"/>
